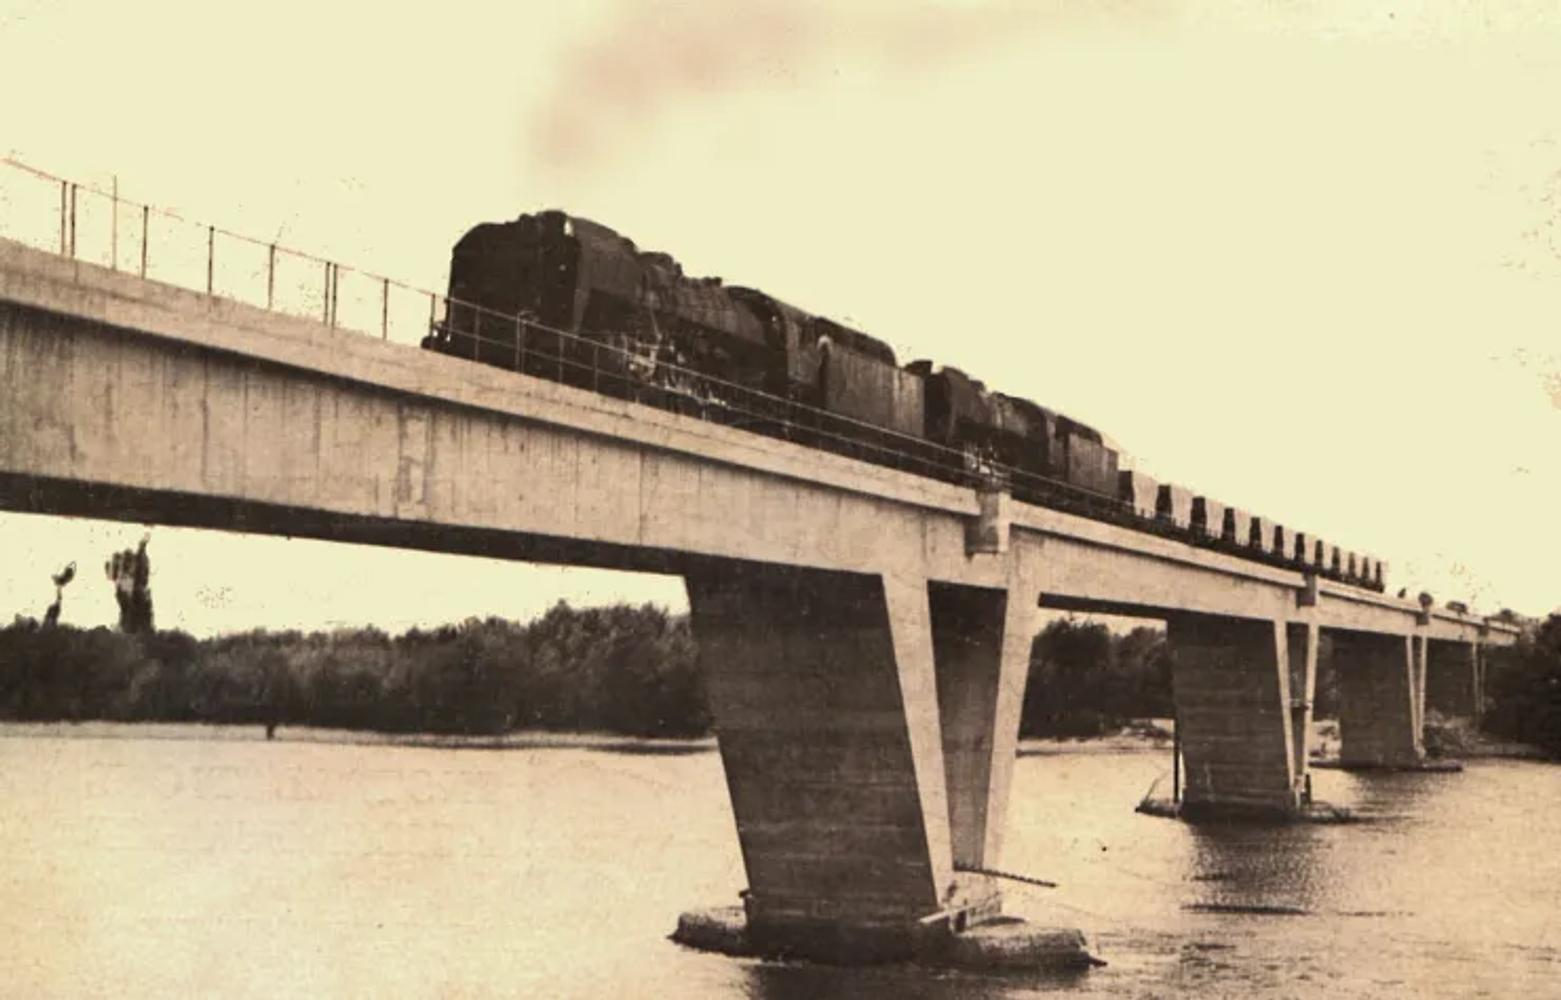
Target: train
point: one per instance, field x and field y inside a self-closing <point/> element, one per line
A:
<point x="560" y="297"/>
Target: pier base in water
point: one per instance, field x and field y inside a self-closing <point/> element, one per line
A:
<point x="1309" y="812"/>
<point x="1439" y="765"/>
<point x="996" y="943"/>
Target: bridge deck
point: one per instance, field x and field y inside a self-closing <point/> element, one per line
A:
<point x="133" y="399"/>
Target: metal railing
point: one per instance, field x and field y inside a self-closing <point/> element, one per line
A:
<point x="85" y="222"/>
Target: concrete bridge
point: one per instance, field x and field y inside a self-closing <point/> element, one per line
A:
<point x="866" y="632"/>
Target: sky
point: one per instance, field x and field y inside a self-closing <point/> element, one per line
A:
<point x="1305" y="259"/>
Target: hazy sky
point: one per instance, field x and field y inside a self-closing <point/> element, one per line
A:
<point x="1303" y="258"/>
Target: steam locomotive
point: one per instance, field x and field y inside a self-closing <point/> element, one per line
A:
<point x="564" y="298"/>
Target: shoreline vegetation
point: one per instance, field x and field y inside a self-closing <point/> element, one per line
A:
<point x="618" y="671"/>
<point x="624" y="670"/>
<point x="1139" y="736"/>
<point x="610" y="676"/>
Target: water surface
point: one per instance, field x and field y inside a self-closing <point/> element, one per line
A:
<point x="149" y="862"/>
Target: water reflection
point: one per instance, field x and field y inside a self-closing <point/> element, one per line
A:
<point x="1258" y="868"/>
<point x="776" y="981"/>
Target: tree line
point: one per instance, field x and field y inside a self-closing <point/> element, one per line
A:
<point x="1523" y="689"/>
<point x="618" y="669"/>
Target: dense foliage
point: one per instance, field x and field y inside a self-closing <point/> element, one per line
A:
<point x="1085" y="680"/>
<point x="616" y="669"/>
<point x="1523" y="688"/>
<point x="619" y="669"/>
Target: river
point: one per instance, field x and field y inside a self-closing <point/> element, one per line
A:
<point x="192" y="861"/>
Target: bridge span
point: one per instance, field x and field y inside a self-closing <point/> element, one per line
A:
<point x="866" y="632"/>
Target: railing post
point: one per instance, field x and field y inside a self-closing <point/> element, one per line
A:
<point x="113" y="238"/>
<point x="271" y="277"/>
<point x="64" y="217"/>
<point x="384" y="310"/>
<point x="73" y="221"/>
<point x="432" y="302"/>
<point x="211" y="257"/>
<point x="325" y="304"/>
<point x="146" y="222"/>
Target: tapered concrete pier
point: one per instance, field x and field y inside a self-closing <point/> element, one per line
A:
<point x="1301" y="647"/>
<point x="1380" y="705"/>
<point x="981" y="644"/>
<point x="868" y="726"/>
<point x="826" y="712"/>
<point x="1232" y="685"/>
<point x="1454" y="679"/>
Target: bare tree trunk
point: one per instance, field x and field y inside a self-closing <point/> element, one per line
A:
<point x="131" y="572"/>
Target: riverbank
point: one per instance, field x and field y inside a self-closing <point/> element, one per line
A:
<point x="1445" y="739"/>
<point x="1128" y="740"/>
<point x="195" y="731"/>
<point x="1147" y="735"/>
<point x="1144" y="735"/>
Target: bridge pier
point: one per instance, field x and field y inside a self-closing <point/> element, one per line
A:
<point x="1380" y="702"/>
<point x="1232" y="686"/>
<point x="1453" y="678"/>
<point x="981" y="642"/>
<point x="1420" y="649"/>
<point x="867" y="726"/>
<point x="826" y="715"/>
<point x="1301" y="643"/>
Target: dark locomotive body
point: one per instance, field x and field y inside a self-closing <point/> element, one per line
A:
<point x="563" y="298"/>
